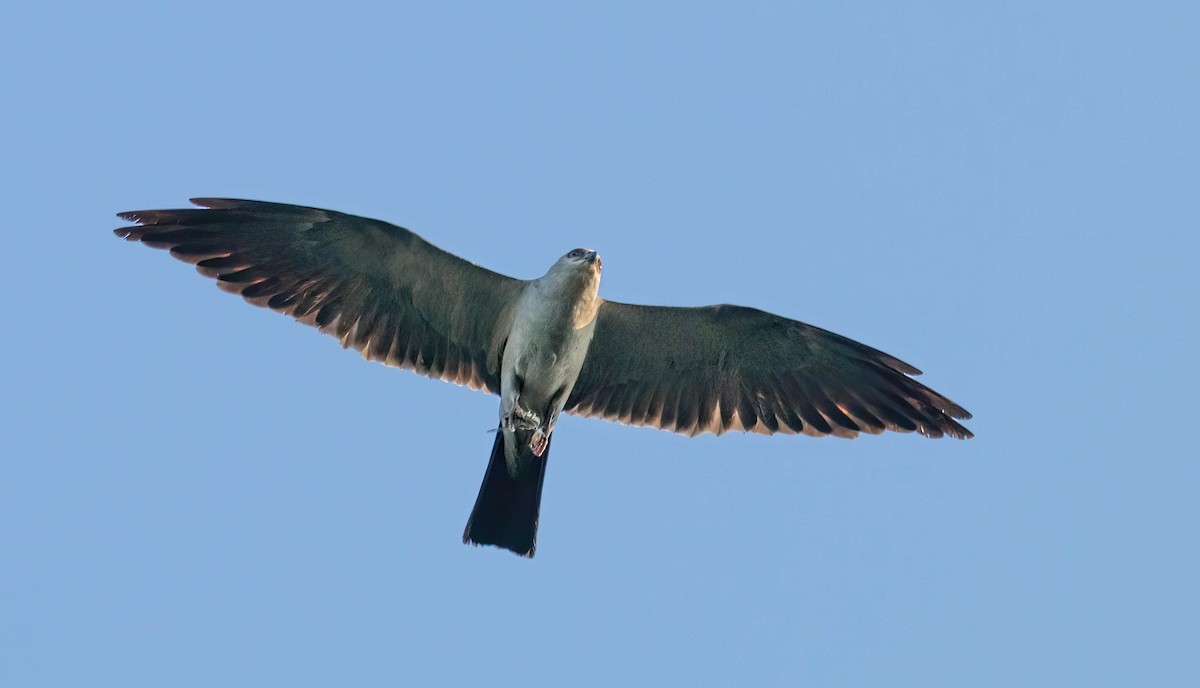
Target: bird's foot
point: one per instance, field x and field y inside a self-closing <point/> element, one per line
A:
<point x="520" y="419"/>
<point x="539" y="442"/>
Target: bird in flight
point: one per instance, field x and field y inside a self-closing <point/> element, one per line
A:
<point x="546" y="345"/>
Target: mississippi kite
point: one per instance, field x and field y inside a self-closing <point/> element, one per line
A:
<point x="546" y="345"/>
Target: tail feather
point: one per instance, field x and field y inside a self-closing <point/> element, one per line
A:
<point x="506" y="510"/>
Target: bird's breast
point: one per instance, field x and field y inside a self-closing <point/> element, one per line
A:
<point x="545" y="348"/>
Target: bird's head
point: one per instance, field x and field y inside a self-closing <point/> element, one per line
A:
<point x="579" y="263"/>
<point x="578" y="271"/>
<point x="583" y="258"/>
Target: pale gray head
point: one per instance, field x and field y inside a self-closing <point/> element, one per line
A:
<point x="583" y="257"/>
<point x="579" y="267"/>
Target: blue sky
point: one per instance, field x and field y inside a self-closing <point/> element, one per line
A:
<point x="195" y="492"/>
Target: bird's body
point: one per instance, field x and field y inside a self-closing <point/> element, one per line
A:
<point x="543" y="354"/>
<point x="545" y="346"/>
<point x="548" y="341"/>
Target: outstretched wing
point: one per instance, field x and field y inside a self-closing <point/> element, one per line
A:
<point x="719" y="368"/>
<point x="376" y="287"/>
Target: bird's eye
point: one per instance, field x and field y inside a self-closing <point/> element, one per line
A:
<point x="575" y="254"/>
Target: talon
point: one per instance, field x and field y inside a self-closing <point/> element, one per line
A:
<point x="525" y="420"/>
<point x="520" y="419"/>
<point x="538" y="443"/>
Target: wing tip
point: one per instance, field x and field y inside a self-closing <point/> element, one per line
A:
<point x="213" y="203"/>
<point x="906" y="368"/>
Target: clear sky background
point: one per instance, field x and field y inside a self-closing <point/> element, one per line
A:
<point x="196" y="492"/>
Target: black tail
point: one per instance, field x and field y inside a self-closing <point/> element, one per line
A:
<point x="506" y="510"/>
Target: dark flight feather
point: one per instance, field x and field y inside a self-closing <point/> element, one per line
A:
<point x="379" y="288"/>
<point x="737" y="368"/>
